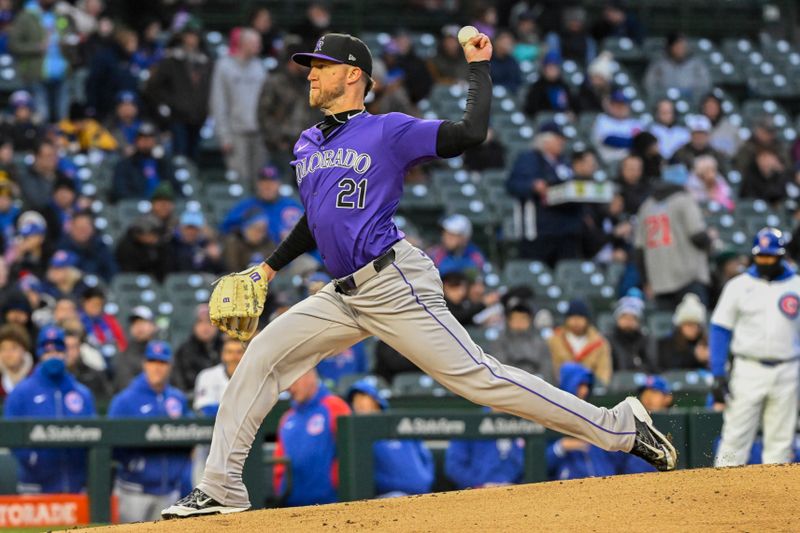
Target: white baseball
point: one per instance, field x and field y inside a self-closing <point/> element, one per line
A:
<point x="466" y="33"/>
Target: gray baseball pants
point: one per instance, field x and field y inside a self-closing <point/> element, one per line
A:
<point x="403" y="306"/>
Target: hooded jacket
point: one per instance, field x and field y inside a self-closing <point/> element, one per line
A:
<point x="593" y="462"/>
<point x="50" y="470"/>
<point x="151" y="470"/>
<point x="401" y="466"/>
<point x="307" y="436"/>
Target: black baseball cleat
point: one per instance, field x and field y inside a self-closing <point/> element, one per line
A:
<point x="650" y="444"/>
<point x="198" y="503"/>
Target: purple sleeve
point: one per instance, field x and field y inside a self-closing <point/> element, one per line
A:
<point x="410" y="139"/>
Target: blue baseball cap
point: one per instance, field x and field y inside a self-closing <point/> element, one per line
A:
<point x="127" y="97"/>
<point x="769" y="241"/>
<point x="158" y="351"/>
<point x="366" y="386"/>
<point x="50" y="339"/>
<point x="551" y="127"/>
<point x="63" y="258"/>
<point x="619" y="97"/>
<point x="193" y="218"/>
<point x="32" y="228"/>
<point x="552" y="58"/>
<point x="30" y="282"/>
<point x="656" y="383"/>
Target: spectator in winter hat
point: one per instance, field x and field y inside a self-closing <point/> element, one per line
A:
<point x="596" y="88"/>
<point x="142" y="249"/>
<point x="23" y="130"/>
<point x="579" y="341"/>
<point x="686" y="347"/>
<point x="520" y="343"/>
<point x="631" y="348"/>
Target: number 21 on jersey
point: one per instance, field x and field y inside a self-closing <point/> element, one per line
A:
<point x="658" y="231"/>
<point x="351" y="194"/>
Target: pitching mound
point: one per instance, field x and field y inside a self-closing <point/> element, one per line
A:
<point x="755" y="498"/>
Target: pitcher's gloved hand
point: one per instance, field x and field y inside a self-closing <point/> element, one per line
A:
<point x="238" y="301"/>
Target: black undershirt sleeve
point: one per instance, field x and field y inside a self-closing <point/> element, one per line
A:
<point x="455" y="137"/>
<point x="299" y="241"/>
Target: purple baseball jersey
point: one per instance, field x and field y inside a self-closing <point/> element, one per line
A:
<point x="351" y="183"/>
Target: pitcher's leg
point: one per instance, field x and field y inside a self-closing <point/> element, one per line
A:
<point x="780" y="416"/>
<point x="287" y="348"/>
<point x="419" y="325"/>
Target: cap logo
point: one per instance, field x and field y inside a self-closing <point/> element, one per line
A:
<point x="351" y="57"/>
<point x="764" y="241"/>
<point x="320" y="44"/>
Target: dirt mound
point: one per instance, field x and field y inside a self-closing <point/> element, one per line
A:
<point x="754" y="498"/>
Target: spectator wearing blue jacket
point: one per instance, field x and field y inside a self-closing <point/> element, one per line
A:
<point x="149" y="479"/>
<point x="484" y="463"/>
<point x="282" y="212"/>
<point x="307" y="436"/>
<point x="402" y="467"/>
<point x="50" y="392"/>
<point x="571" y="458"/>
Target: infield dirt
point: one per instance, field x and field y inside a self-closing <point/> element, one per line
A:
<point x="753" y="498"/>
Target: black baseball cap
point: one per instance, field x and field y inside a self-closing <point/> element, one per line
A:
<point x="339" y="48"/>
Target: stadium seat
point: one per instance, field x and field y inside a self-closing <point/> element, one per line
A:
<point x="688" y="380"/>
<point x="8" y="472"/>
<point x="659" y="324"/>
<point x="416" y="384"/>
<point x="626" y="381"/>
<point x="345" y="382"/>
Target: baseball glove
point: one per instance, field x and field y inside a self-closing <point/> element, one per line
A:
<point x="238" y="301"/>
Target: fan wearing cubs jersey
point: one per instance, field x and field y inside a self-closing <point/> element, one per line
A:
<point x="757" y="320"/>
<point x="349" y="170"/>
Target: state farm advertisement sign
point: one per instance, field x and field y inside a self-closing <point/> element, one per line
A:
<point x="44" y="510"/>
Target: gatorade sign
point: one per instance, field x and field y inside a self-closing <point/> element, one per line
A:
<point x="44" y="510"/>
<point x="38" y="510"/>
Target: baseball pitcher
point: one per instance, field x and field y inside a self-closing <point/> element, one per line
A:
<point x="349" y="170"/>
<point x="757" y="319"/>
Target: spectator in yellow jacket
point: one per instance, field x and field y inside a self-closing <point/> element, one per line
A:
<point x="80" y="132"/>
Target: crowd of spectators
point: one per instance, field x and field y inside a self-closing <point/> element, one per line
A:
<point x="140" y="103"/>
